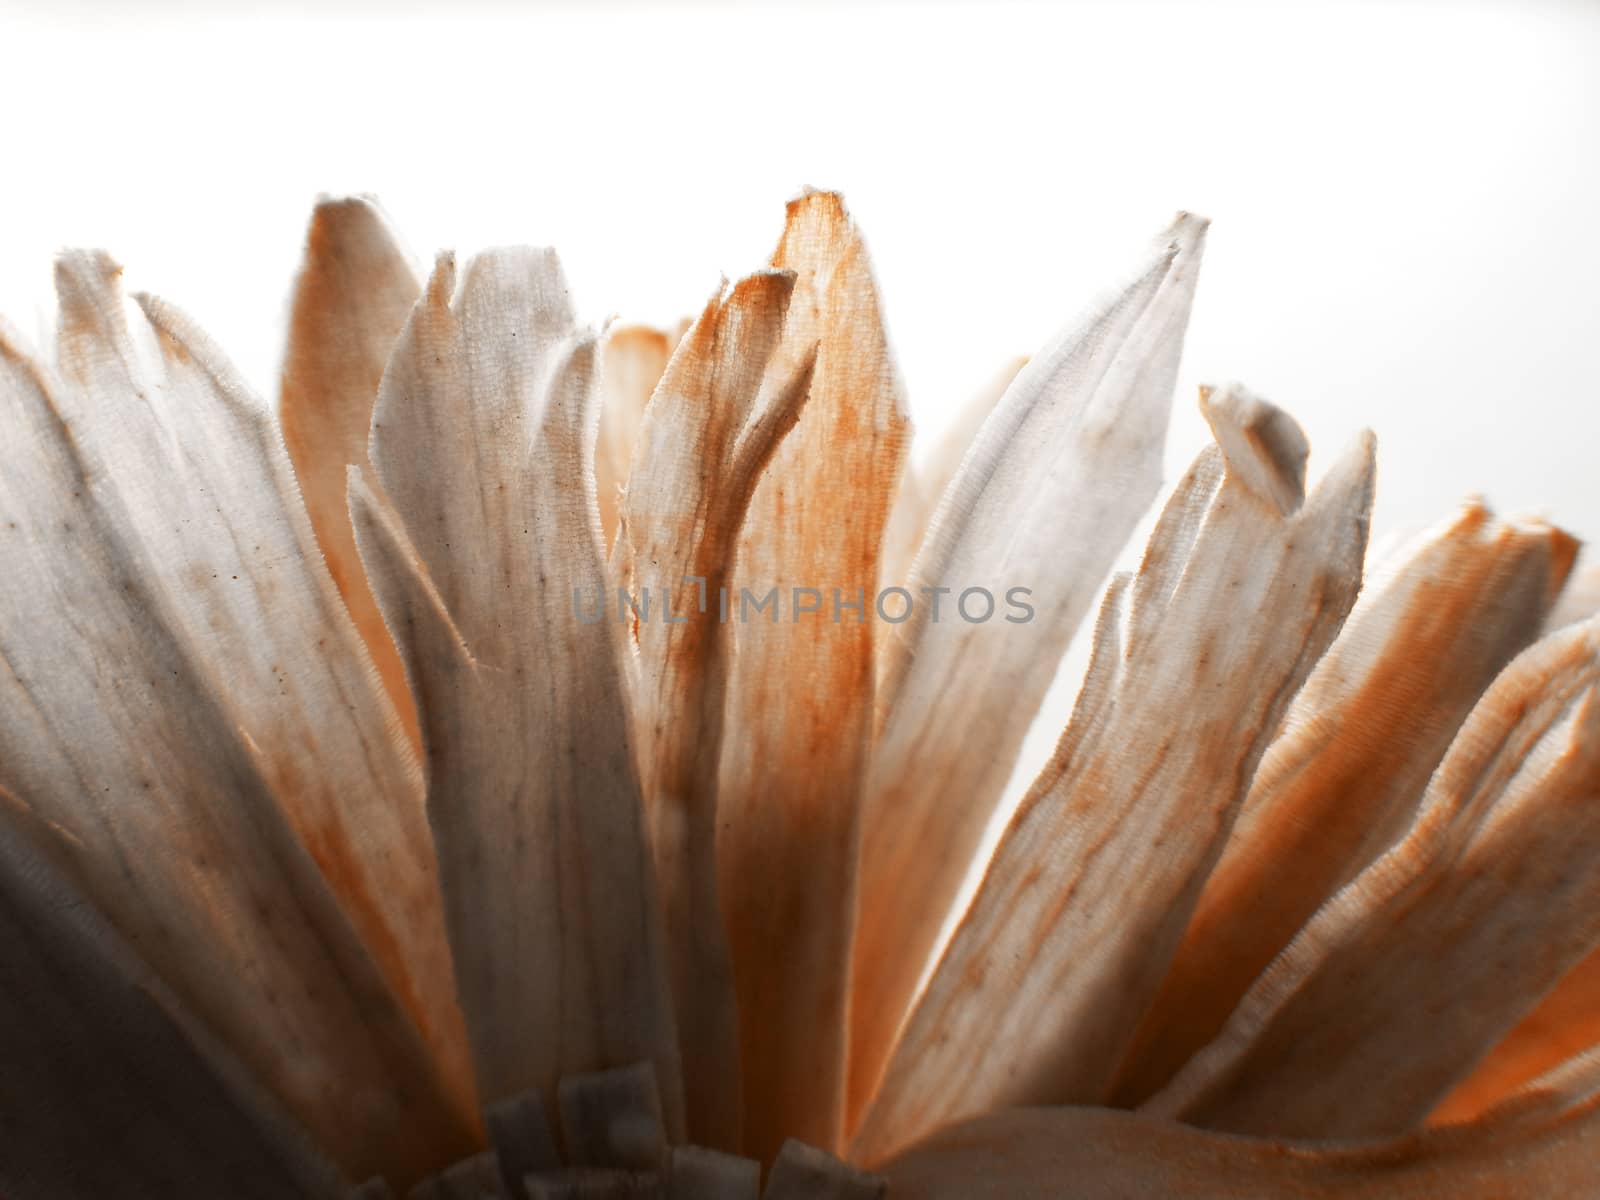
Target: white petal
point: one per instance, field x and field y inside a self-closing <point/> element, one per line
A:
<point x="925" y="481"/>
<point x="1060" y="473"/>
<point x="483" y="440"/>
<point x="183" y="709"/>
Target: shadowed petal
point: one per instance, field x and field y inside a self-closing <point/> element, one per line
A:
<point x="1102" y="1154"/>
<point x="355" y="290"/>
<point x="1434" y="952"/>
<point x="1059" y="475"/>
<point x="708" y="434"/>
<point x="109" y="1087"/>
<point x="1343" y="781"/>
<point x="1038" y="994"/>
<point x="133" y="721"/>
<point x="800" y="704"/>
<point x="482" y="440"/>
<point x="1570" y="1084"/>
<point x="1564" y="1025"/>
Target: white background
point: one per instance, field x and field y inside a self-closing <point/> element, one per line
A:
<point x="1404" y="196"/>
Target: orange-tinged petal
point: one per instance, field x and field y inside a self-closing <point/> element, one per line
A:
<point x="709" y="432"/>
<point x="632" y="358"/>
<point x="1103" y="1154"/>
<point x="354" y="292"/>
<point x="1418" y="967"/>
<point x="1241" y="589"/>
<point x="1564" y="1025"/>
<point x="800" y="702"/>
<point x="1343" y="781"/>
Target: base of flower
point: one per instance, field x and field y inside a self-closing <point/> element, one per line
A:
<point x="616" y="1148"/>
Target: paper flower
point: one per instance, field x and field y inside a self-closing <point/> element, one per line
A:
<point x="454" y="780"/>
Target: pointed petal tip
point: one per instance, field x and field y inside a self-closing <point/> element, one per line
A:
<point x="1355" y="471"/>
<point x="441" y="280"/>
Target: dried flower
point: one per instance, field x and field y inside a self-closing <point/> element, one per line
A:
<point x="453" y="760"/>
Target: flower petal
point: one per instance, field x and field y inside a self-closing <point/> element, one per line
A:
<point x="355" y="290"/>
<point x="632" y="358"/>
<point x="186" y="697"/>
<point x="708" y="434"/>
<point x="1037" y="996"/>
<point x="1104" y="1154"/>
<point x="1434" y="952"/>
<point x="1564" y="1025"/>
<point x="110" y="1088"/>
<point x="1342" y="783"/>
<point x="1060" y="474"/>
<point x="800" y="701"/>
<point x="926" y="480"/>
<point x="1568" y="1085"/>
<point x="483" y="441"/>
<point x="1579" y="600"/>
<point x="802" y="1172"/>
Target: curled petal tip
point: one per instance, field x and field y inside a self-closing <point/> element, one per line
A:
<point x="1264" y="447"/>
